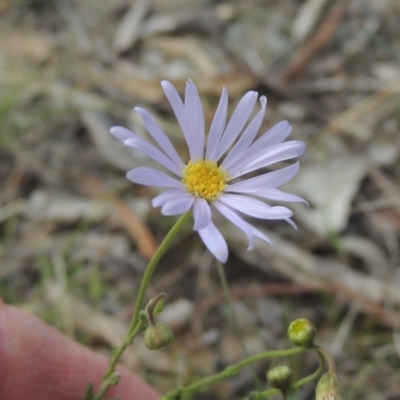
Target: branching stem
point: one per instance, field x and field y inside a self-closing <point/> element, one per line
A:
<point x="110" y="378"/>
<point x="185" y="391"/>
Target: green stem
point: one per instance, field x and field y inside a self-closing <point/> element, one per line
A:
<point x="297" y="385"/>
<point x="151" y="307"/>
<point x="153" y="263"/>
<point x="137" y="324"/>
<point x="318" y="372"/>
<point x="325" y="354"/>
<point x="229" y="371"/>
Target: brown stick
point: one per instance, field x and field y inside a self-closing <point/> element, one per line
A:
<point x="321" y="38"/>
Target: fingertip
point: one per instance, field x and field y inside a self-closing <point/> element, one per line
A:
<point x="40" y="363"/>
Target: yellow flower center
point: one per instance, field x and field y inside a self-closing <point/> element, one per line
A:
<point x="205" y="179"/>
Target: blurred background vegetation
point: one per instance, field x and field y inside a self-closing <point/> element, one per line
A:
<point x="75" y="235"/>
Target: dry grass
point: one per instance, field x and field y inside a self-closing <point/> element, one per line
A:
<point x="75" y="234"/>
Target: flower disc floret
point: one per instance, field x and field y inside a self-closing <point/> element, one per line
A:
<point x="205" y="179"/>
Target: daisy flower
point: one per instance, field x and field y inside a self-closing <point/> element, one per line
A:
<point x="210" y="179"/>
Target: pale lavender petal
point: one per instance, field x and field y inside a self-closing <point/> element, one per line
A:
<point x="201" y="214"/>
<point x="258" y="234"/>
<point x="152" y="177"/>
<point x="279" y="195"/>
<point x="217" y="125"/>
<point x="246" y="138"/>
<point x="232" y="216"/>
<point x="255" y="208"/>
<point x="122" y="133"/>
<point x="277" y="134"/>
<point x="159" y="136"/>
<point x="179" y="109"/>
<point x="265" y="181"/>
<point x="154" y="153"/>
<point x="236" y="123"/>
<point x="177" y="204"/>
<point x="265" y="157"/>
<point x="247" y="228"/>
<point x="291" y="223"/>
<point x="214" y="241"/>
<point x="176" y="103"/>
<point x="194" y="122"/>
<point x="162" y="198"/>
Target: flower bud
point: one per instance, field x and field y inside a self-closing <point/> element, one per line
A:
<point x="280" y="377"/>
<point x="301" y="332"/>
<point x="157" y="336"/>
<point x="329" y="388"/>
